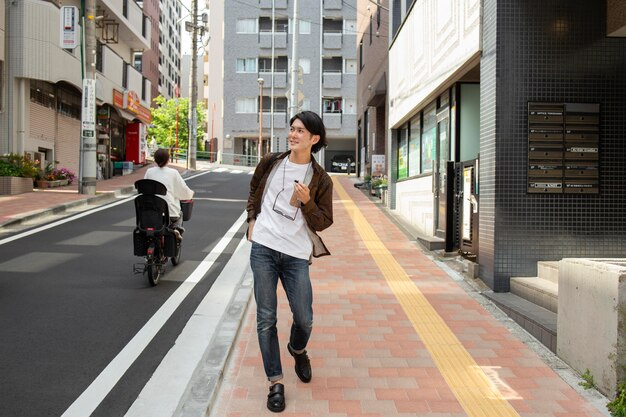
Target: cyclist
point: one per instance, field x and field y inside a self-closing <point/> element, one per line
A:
<point x="177" y="189"/>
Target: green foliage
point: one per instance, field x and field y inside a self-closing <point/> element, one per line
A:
<point x="588" y="381"/>
<point x="380" y="182"/>
<point x="617" y="407"/>
<point x="164" y="123"/>
<point x="14" y="165"/>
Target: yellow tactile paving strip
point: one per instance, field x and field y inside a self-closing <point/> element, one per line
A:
<point x="466" y="380"/>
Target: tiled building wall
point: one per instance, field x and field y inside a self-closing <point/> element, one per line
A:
<point x="553" y="51"/>
<point x="487" y="171"/>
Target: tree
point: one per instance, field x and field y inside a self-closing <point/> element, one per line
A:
<point x="164" y="123"/>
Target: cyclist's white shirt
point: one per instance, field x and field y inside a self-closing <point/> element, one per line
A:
<point x="177" y="189"/>
<point x="276" y="231"/>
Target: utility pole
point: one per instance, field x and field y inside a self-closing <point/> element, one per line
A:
<point x="87" y="169"/>
<point x="293" y="96"/>
<point x="193" y="88"/>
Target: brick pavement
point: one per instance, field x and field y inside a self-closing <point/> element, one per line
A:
<point x="368" y="359"/>
<point x="14" y="208"/>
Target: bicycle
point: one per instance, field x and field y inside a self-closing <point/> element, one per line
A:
<point x="153" y="238"/>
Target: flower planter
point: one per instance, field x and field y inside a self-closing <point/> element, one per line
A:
<point x="48" y="184"/>
<point x="15" y="185"/>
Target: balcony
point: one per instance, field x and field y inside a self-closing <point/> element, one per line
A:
<point x="280" y="79"/>
<point x="125" y="22"/>
<point x="332" y="4"/>
<point x="265" y="39"/>
<point x="332" y="78"/>
<point x="278" y="4"/>
<point x="332" y="120"/>
<point x="333" y="39"/>
<point x="280" y="119"/>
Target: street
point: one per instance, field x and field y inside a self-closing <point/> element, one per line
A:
<point x="70" y="302"/>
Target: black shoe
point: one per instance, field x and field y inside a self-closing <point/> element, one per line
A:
<point x="303" y="365"/>
<point x="276" y="398"/>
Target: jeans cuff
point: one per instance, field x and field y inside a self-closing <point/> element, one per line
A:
<point x="275" y="378"/>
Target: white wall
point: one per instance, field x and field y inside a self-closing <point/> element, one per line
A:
<point x="414" y="202"/>
<point x="437" y="39"/>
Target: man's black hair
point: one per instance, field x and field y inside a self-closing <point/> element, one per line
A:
<point x="161" y="156"/>
<point x="314" y="124"/>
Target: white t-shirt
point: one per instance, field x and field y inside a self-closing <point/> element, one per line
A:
<point x="177" y="188"/>
<point x="274" y="230"/>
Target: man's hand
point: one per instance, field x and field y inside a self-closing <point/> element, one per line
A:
<point x="250" y="227"/>
<point x="302" y="192"/>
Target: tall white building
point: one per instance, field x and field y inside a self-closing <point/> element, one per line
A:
<point x="170" y="60"/>
<point x="240" y="53"/>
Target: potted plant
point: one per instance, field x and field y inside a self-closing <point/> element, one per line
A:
<point x="16" y="174"/>
<point x="51" y="177"/>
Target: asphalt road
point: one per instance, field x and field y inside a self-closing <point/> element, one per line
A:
<point x="70" y="302"/>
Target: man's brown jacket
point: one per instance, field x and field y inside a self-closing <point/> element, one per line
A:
<point x="318" y="212"/>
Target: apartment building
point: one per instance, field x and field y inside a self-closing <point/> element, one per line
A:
<point x="372" y="78"/>
<point x="41" y="93"/>
<point x="247" y="78"/>
<point x="170" y="59"/>
<point x="147" y="61"/>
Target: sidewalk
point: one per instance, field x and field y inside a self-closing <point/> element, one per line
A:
<point x="395" y="335"/>
<point x="20" y="208"/>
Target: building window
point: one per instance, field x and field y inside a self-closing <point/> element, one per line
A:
<point x="371" y="28"/>
<point x="69" y="104"/>
<point x="349" y="66"/>
<point x="246" y="105"/>
<point x="246" y="64"/>
<point x="402" y="152"/>
<point x="246" y="26"/>
<point x="304" y="27"/>
<point x="305" y="64"/>
<point x="349" y="27"/>
<point x="415" y="128"/>
<point x="99" y="56"/>
<point x="137" y="60"/>
<point x="349" y="106"/>
<point x="42" y="93"/>
<point x="428" y="140"/>
<point x="331" y="105"/>
<point x="361" y="56"/>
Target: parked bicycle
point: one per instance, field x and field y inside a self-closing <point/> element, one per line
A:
<point x="154" y="238"/>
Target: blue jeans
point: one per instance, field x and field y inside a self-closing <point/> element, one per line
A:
<point x="268" y="266"/>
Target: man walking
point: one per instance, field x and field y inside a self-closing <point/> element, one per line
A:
<point x="290" y="200"/>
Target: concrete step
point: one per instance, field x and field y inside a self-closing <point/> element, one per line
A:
<point x="538" y="321"/>
<point x="542" y="292"/>
<point x="548" y="270"/>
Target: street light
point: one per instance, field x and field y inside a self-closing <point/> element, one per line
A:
<point x="260" y="80"/>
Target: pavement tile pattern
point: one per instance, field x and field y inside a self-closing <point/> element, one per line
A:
<point x="367" y="358"/>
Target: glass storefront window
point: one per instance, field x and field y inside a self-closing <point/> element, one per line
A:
<point x="429" y="136"/>
<point x="414" y="146"/>
<point x="402" y="153"/>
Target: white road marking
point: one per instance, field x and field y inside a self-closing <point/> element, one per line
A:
<point x="89" y="400"/>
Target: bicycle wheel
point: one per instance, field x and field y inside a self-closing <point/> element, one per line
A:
<point x="154" y="272"/>
<point x="153" y="265"/>
<point x="176" y="257"/>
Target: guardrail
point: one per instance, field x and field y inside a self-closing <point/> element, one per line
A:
<point x="180" y="154"/>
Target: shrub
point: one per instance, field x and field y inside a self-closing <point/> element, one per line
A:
<point x="14" y="165"/>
